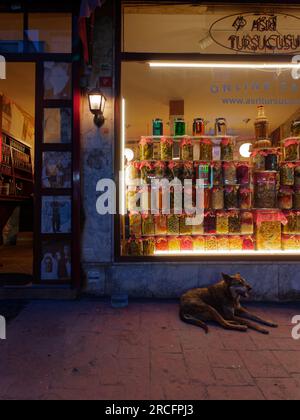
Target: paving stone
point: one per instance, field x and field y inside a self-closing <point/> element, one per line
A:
<point x="263" y="364"/>
<point x="279" y="389"/>
<point x="235" y="393"/>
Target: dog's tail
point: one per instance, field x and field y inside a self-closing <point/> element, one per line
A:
<point x="193" y="321"/>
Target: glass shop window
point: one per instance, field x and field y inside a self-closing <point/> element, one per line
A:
<point x="11" y="32"/>
<point x="50" y="32"/>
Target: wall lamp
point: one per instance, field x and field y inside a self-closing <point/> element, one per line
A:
<point x="97" y="102"/>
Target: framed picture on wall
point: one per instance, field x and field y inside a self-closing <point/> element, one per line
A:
<point x="56" y="261"/>
<point x="57" y="170"/>
<point x="58" y="125"/>
<point x="56" y="214"/>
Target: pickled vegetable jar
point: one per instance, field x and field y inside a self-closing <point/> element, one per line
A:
<point x="149" y="247"/>
<point x="166" y="148"/>
<point x="290" y="243"/>
<point x="231" y="198"/>
<point x="211" y="243"/>
<point x="217" y="198"/>
<point x="245" y="198"/>
<point x="162" y="244"/>
<point x="174" y="243"/>
<point x="133" y="173"/>
<point x="223" y="243"/>
<point x="229" y="173"/>
<point x="210" y="223"/>
<point x="161" y="227"/>
<point x="148" y="225"/>
<point x="259" y="160"/>
<point x="234" y="223"/>
<point x="135" y="224"/>
<point x="186" y="149"/>
<point x="199" y="243"/>
<point x="222" y="223"/>
<point x="177" y="170"/>
<point x="291" y="150"/>
<point x="247" y="223"/>
<point x="227" y="149"/>
<point x="287" y="174"/>
<point x="243" y="173"/>
<point x="235" y="243"/>
<point x="291" y="226"/>
<point x="146" y="149"/>
<point x="186" y="243"/>
<point x="198" y="227"/>
<point x="248" y="243"/>
<point x="188" y="170"/>
<point x="160" y="169"/>
<point x="131" y="199"/>
<point x="135" y="248"/>
<point x="265" y="190"/>
<point x="173" y="224"/>
<point x="206" y="148"/>
<point x="217" y="174"/>
<point x="185" y="228"/>
<point x="147" y="171"/>
<point x="285" y="198"/>
<point x="272" y="161"/>
<point x="269" y="236"/>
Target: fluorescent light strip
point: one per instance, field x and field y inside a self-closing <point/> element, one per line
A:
<point x="122" y="174"/>
<point x="265" y="66"/>
<point x="225" y="253"/>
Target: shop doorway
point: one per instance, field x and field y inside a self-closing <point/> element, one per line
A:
<point x="17" y="171"/>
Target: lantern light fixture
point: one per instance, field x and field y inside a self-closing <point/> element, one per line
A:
<point x="97" y="102"/>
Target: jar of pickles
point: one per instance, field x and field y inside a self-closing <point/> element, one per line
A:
<point x="131" y="199"/>
<point x="291" y="150"/>
<point x="285" y="198"/>
<point x="134" y="247"/>
<point x="297" y="175"/>
<point x="291" y="226"/>
<point x="210" y="223"/>
<point x="287" y="174"/>
<point x="290" y="243"/>
<point x="247" y="223"/>
<point x="229" y="173"/>
<point x="227" y="149"/>
<point x="297" y="199"/>
<point x="149" y="247"/>
<point x="259" y="160"/>
<point x="147" y="171"/>
<point x="265" y="190"/>
<point x="203" y="198"/>
<point x="148" y="224"/>
<point x="243" y="173"/>
<point x="248" y="243"/>
<point x="231" y="197"/>
<point x="222" y="223"/>
<point x="198" y="227"/>
<point x="174" y="243"/>
<point x="173" y="224"/>
<point x="166" y="148"/>
<point x="211" y="244"/>
<point x="245" y="198"/>
<point x="177" y="170"/>
<point x="162" y="244"/>
<point x="199" y="243"/>
<point x="234" y="223"/>
<point x="188" y="170"/>
<point x="269" y="236"/>
<point x="223" y="243"/>
<point x="145" y="198"/>
<point x="186" y="229"/>
<point x="217" y="174"/>
<point x="217" y="198"/>
<point x="206" y="148"/>
<point x="146" y="148"/>
<point x="135" y="224"/>
<point x="161" y="227"/>
<point x="272" y="158"/>
<point x="160" y="169"/>
<point x="236" y="243"/>
<point x="186" y="149"/>
<point x="186" y="243"/>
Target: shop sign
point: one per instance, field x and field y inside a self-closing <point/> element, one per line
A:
<point x="254" y="33"/>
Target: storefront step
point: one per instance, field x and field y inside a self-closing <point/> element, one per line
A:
<point x="38" y="293"/>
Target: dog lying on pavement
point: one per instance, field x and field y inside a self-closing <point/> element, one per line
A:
<point x="221" y="303"/>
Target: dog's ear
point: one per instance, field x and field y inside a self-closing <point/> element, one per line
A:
<point x="227" y="278"/>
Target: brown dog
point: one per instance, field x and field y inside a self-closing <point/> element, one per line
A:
<point x="221" y="303"/>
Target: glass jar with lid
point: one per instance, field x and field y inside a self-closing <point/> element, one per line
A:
<point x="285" y="198"/>
<point x="146" y="148"/>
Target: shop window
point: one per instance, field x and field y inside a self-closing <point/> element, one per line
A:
<point x="227" y="132"/>
<point x="50" y="32"/>
<point x="11" y="32"/>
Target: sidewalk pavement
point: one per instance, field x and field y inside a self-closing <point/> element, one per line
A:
<point x="87" y="350"/>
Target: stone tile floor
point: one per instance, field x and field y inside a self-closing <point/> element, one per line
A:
<point x="86" y="350"/>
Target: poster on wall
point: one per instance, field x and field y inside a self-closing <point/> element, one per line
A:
<point x="57" y="170"/>
<point x="58" y="80"/>
<point x="56" y="214"/>
<point x="56" y="260"/>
